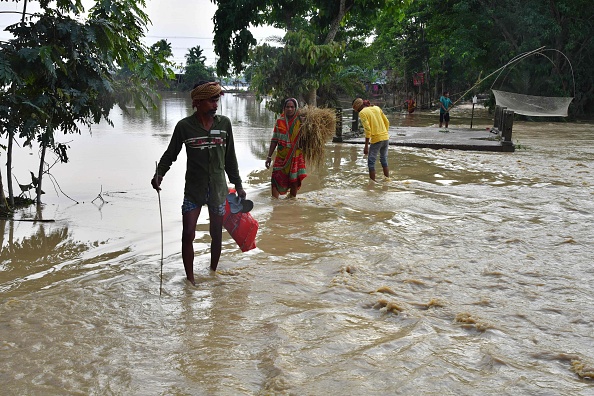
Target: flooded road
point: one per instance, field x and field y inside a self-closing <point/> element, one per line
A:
<point x="464" y="273"/>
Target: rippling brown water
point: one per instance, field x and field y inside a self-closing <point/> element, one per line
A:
<point x="465" y="273"/>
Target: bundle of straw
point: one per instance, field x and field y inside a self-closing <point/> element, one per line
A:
<point x="317" y="128"/>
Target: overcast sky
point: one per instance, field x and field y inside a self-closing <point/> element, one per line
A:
<point x="183" y="23"/>
<point x="187" y="23"/>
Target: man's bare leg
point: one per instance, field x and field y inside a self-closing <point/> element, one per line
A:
<point x="216" y="242"/>
<point x="372" y="175"/>
<point x="386" y="171"/>
<point x="189" y="220"/>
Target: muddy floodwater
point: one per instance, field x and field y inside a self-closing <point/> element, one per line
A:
<point x="465" y="273"/>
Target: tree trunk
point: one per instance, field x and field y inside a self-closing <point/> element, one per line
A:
<point x="311" y="98"/>
<point x="45" y="138"/>
<point x="9" y="168"/>
<point x="40" y="173"/>
<point x="429" y="94"/>
<point x="335" y="25"/>
<point x="332" y="31"/>
<point x="3" y="202"/>
<point x="11" y="138"/>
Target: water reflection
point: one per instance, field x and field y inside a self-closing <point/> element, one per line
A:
<point x="243" y="109"/>
<point x="170" y="109"/>
<point x="39" y="255"/>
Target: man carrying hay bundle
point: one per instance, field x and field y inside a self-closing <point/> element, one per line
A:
<point x="376" y="126"/>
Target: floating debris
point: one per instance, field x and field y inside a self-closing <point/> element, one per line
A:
<point x="468" y="320"/>
<point x="385" y="289"/>
<point x="388" y="306"/>
<point x="582" y="369"/>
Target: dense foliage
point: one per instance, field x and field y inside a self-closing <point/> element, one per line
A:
<point x="314" y="67"/>
<point x="455" y="44"/>
<point x="195" y="69"/>
<point x="459" y="42"/>
<point x="309" y="59"/>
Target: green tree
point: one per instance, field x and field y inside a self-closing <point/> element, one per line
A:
<point x="460" y="42"/>
<point x="195" y="69"/>
<point x="300" y="66"/>
<point x="162" y="50"/>
<point x="463" y="41"/>
<point x="195" y="55"/>
<point x="59" y="71"/>
<point x="566" y="26"/>
<point x="317" y="31"/>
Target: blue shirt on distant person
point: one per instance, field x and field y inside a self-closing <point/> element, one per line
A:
<point x="446" y="103"/>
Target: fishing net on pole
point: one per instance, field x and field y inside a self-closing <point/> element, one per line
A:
<point x="532" y="105"/>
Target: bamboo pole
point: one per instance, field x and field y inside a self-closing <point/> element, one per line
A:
<point x="512" y="61"/>
<point x="161" y="217"/>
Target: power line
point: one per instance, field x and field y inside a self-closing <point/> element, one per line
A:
<point x="182" y="37"/>
<point x="194" y="37"/>
<point x="186" y="48"/>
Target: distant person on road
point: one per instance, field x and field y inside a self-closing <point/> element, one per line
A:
<point x="210" y="153"/>
<point x="377" y="140"/>
<point x="411" y="105"/>
<point x="445" y="104"/>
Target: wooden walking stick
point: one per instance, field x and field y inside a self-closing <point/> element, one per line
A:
<point x="161" y="216"/>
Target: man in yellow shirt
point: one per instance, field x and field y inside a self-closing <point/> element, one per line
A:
<point x="376" y="126"/>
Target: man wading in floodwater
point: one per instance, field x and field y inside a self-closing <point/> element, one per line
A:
<point x="210" y="154"/>
<point x="377" y="138"/>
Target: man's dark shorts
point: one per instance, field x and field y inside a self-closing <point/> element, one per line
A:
<point x="189" y="205"/>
